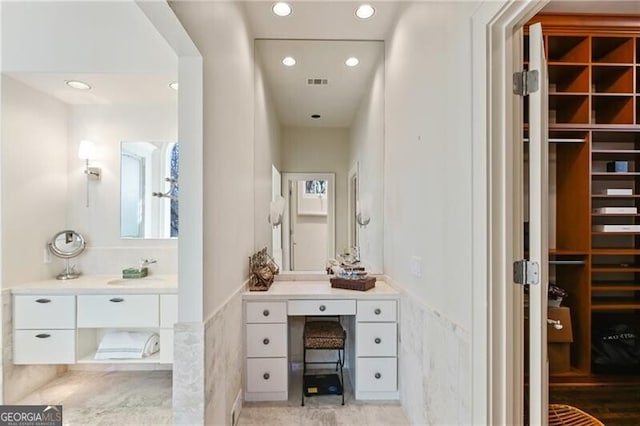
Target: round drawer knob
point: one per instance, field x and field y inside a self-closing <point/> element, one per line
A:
<point x="378" y="340"/>
<point x="322" y="308"/>
<point x="43" y="336"/>
<point x="266" y="376"/>
<point x="377" y="375"/>
<point x="265" y="341"/>
<point x="377" y="311"/>
<point x="266" y="312"/>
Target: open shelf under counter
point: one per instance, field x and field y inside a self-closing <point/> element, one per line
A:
<point x="615" y="251"/>
<point x="90" y="359"/>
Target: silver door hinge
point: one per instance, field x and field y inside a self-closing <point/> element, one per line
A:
<point x="525" y="82"/>
<point x="526" y="272"/>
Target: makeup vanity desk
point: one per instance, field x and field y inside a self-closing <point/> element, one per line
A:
<point x="369" y="317"/>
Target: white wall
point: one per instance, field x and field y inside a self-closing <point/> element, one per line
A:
<point x="220" y="34"/>
<point x="34" y="194"/>
<point x="321" y="150"/>
<point x="107" y="126"/>
<point x="34" y="180"/>
<point x="428" y="202"/>
<point x="87" y="36"/>
<point x="366" y="147"/>
<point x="267" y="153"/>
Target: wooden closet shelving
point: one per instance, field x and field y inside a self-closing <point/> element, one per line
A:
<point x="594" y="100"/>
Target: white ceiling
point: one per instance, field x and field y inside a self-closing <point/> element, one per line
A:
<point x="321" y="20"/>
<point x="107" y="89"/>
<point x="337" y="102"/>
<point x="627" y="7"/>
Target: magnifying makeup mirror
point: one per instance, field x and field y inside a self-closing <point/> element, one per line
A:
<point x="66" y="245"/>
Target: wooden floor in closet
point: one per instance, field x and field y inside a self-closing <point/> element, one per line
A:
<point x="613" y="405"/>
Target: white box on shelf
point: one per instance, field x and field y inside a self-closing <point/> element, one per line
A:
<point x="616" y="210"/>
<point x="617" y="191"/>
<point x="616" y="228"/>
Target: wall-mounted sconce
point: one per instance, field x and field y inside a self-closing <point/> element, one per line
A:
<point x="276" y="211"/>
<point x="86" y="152"/>
<point x="363" y="217"/>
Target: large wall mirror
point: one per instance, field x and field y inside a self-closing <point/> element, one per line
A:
<point x="149" y="189"/>
<point x="319" y="146"/>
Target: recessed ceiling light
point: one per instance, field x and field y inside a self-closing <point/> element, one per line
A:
<point x="365" y="11"/>
<point x="77" y="84"/>
<point x="352" y="61"/>
<point x="315" y="116"/>
<point x="289" y="61"/>
<point x="281" y="8"/>
<point x="174" y="85"/>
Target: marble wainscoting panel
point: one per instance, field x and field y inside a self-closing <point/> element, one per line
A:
<point x="188" y="374"/>
<point x="224" y="360"/>
<point x="435" y="365"/>
<point x="19" y="380"/>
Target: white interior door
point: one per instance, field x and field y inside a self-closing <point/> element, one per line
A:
<point x="276" y="232"/>
<point x="538" y="231"/>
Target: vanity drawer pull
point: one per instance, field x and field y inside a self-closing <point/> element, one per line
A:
<point x="43" y="336"/>
<point x="378" y="340"/>
<point x="43" y="300"/>
<point x="116" y="300"/>
<point x="377" y="311"/>
<point x="266" y="376"/>
<point x="377" y="375"/>
<point x="265" y="312"/>
<point x="322" y="308"/>
<point x="265" y="341"/>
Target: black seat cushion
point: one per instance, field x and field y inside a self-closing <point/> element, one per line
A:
<point x="324" y="335"/>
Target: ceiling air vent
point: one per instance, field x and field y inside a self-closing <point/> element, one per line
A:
<point x="317" y="81"/>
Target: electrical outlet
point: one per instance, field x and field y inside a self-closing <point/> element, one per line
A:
<point x="415" y="265"/>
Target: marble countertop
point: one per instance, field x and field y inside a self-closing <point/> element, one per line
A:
<point x="300" y="289"/>
<point x="101" y="284"/>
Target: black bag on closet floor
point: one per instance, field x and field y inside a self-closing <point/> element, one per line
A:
<point x="615" y="349"/>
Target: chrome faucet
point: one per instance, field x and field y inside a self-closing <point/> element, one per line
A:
<point x="147" y="262"/>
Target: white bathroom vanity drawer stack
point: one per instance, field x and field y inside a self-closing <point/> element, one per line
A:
<point x="66" y="329"/>
<point x="267" y="372"/>
<point x="44" y="329"/>
<point x="376" y="349"/>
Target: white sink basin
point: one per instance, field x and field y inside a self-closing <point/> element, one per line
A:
<point x="136" y="281"/>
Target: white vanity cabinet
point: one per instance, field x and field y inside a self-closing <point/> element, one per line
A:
<point x="376" y="349"/>
<point x="267" y="370"/>
<point x="67" y="328"/>
<point x="371" y="321"/>
<point x="44" y="329"/>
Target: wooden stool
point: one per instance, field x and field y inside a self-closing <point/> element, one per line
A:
<point x="325" y="334"/>
<point x="566" y="415"/>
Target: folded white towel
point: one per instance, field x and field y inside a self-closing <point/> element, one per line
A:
<point x="128" y="344"/>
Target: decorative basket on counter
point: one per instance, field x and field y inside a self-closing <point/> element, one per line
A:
<point x="263" y="270"/>
<point x="360" y="284"/>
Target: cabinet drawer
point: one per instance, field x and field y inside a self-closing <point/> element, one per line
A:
<point x="50" y="312"/>
<point x="267" y="375"/>
<point x="376" y="374"/>
<point x="266" y="340"/>
<point x="44" y="347"/>
<point x="266" y="312"/>
<point x="118" y="310"/>
<point x="166" y="346"/>
<point x="322" y="307"/>
<point x="168" y="310"/>
<point x="376" y="339"/>
<point x="376" y="310"/>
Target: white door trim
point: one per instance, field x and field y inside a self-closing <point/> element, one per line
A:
<point x="496" y="382"/>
